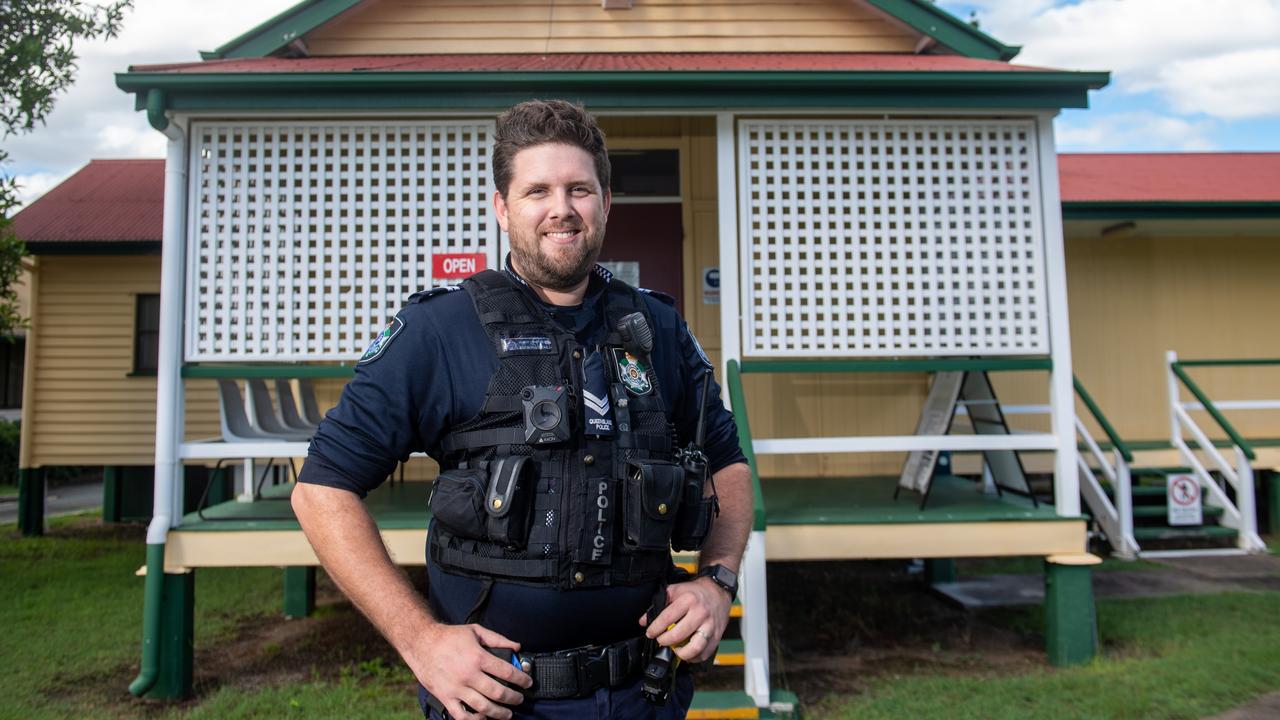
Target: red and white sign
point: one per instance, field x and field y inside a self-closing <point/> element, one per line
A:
<point x="1184" y="500"/>
<point x="455" y="266"/>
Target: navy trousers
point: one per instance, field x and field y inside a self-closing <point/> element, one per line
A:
<point x="623" y="703"/>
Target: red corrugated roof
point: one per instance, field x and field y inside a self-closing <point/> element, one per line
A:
<point x="105" y="201"/>
<point x="600" y="62"/>
<point x="1170" y="177"/>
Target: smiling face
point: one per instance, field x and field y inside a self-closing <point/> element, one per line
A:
<point x="554" y="212"/>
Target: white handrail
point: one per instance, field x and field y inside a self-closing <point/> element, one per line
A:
<point x="1096" y="451"/>
<point x="1207" y="447"/>
<point x="1230" y="514"/>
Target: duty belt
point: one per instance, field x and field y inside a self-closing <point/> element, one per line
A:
<point x="579" y="672"/>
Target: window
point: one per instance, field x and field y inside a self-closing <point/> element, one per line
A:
<point x="12" y="356"/>
<point x="146" y="335"/>
<point x="645" y="173"/>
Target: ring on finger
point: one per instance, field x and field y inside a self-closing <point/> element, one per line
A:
<point x="705" y="635"/>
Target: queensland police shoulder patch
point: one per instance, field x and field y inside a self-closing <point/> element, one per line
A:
<point x="380" y="343"/>
<point x="632" y="373"/>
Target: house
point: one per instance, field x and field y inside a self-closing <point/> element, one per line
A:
<point x="848" y="198"/>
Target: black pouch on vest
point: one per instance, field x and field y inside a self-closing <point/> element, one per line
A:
<point x="697" y="513"/>
<point x="653" y="490"/>
<point x="507" y="500"/>
<point x="457" y="501"/>
<point x="694" y="521"/>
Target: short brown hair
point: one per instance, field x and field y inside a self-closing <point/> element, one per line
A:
<point x="538" y="122"/>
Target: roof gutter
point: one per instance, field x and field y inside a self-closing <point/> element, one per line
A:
<point x="408" y="90"/>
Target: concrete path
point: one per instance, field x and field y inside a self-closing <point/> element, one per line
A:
<point x="66" y="500"/>
<point x="1178" y="576"/>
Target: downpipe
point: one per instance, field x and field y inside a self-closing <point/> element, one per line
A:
<point x="168" y="391"/>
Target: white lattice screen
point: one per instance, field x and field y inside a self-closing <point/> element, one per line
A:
<point x="306" y="237"/>
<point x="891" y="238"/>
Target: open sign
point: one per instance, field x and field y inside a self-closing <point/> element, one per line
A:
<point x="452" y="266"/>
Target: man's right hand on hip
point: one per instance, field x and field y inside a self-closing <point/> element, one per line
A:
<point x="452" y="662"/>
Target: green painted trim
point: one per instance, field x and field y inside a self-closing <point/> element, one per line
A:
<point x="927" y="18"/>
<point x="940" y="570"/>
<point x="1170" y="210"/>
<point x="1213" y="411"/>
<point x="267" y="372"/>
<point x="31" y="497"/>
<point x="1228" y="362"/>
<point x="1107" y="428"/>
<point x="155" y="109"/>
<point x="1272" y="490"/>
<point x="299" y="591"/>
<point x="490" y="91"/>
<point x="176" y="639"/>
<point x="881" y="366"/>
<point x="281" y="30"/>
<point x="1070" y="618"/>
<point x="111" y="493"/>
<point x="152" y="595"/>
<point x="739" y="401"/>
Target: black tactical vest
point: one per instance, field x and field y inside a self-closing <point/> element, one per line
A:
<point x="517" y="504"/>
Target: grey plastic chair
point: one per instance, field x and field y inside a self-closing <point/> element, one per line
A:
<point x="289" y="408"/>
<point x="233" y="416"/>
<point x="265" y="416"/>
<point x="310" y="410"/>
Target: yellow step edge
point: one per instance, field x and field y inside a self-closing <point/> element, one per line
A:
<point x="731" y="714"/>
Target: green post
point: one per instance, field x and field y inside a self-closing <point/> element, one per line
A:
<point x="299" y="591"/>
<point x="1273" y="502"/>
<point x="939" y="570"/>
<point x="111" y="489"/>
<point x="1071" y="622"/>
<point x="176" y="646"/>
<point x="31" y="501"/>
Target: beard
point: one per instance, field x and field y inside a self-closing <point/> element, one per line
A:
<point x="561" y="268"/>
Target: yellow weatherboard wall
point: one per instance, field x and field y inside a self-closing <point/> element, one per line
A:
<point x="84" y="408"/>
<point x="583" y="26"/>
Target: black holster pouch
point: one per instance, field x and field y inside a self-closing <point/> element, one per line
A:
<point x="508" y="500"/>
<point x="654" y="490"/>
<point x="697" y="513"/>
<point x="491" y="504"/>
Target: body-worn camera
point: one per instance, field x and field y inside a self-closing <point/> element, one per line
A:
<point x="546" y="414"/>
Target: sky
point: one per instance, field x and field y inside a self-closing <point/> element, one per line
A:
<point x="1187" y="75"/>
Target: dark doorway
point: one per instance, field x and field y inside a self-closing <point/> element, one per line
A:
<point x="653" y="237"/>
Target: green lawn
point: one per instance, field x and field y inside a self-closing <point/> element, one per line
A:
<point x="8" y="490"/>
<point x="1179" y="657"/>
<point x="72" y="614"/>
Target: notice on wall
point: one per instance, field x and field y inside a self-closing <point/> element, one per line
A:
<point x="628" y="271"/>
<point x="710" y="286"/>
<point x="1184" y="500"/>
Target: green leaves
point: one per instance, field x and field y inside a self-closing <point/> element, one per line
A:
<point x="37" y="62"/>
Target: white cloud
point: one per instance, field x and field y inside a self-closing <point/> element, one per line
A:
<point x="94" y="119"/>
<point x="1133" y="131"/>
<point x="1240" y="84"/>
<point x="1197" y="55"/>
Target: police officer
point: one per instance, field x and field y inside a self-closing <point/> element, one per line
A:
<point x="553" y="397"/>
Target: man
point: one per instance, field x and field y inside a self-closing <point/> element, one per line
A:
<point x="558" y="498"/>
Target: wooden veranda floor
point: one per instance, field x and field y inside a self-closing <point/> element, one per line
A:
<point x="808" y="519"/>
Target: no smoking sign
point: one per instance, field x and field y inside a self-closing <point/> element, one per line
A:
<point x="1183" y="500"/>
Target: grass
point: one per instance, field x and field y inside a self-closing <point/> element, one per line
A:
<point x="8" y="490"/>
<point x="1178" y="657"/>
<point x="72" y="615"/>
<point x="72" y="619"/>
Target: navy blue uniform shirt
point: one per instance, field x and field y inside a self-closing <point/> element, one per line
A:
<point x="433" y="374"/>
